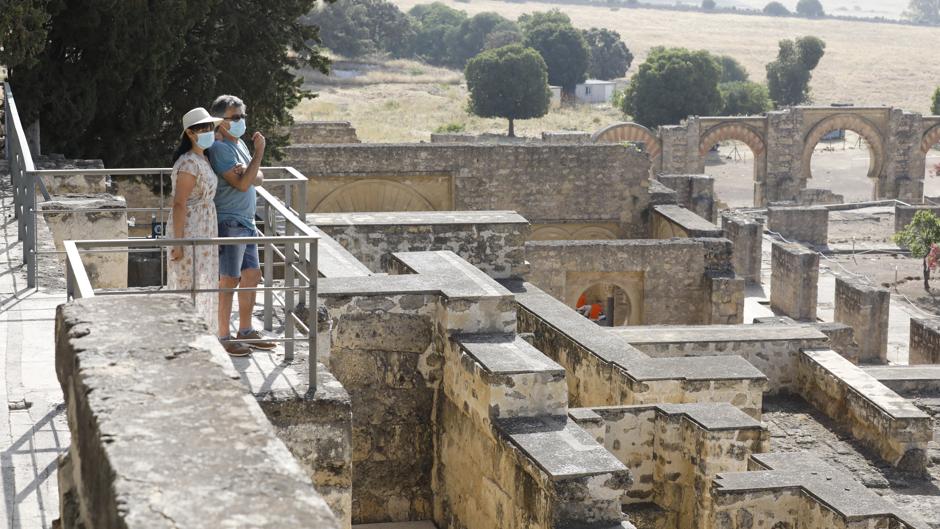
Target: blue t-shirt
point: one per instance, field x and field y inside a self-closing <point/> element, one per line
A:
<point x="230" y="203"/>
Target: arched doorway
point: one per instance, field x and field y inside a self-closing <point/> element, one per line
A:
<point x="633" y="133"/>
<point x="863" y="153"/>
<point x="735" y="155"/>
<point x="596" y="302"/>
<point x="930" y="150"/>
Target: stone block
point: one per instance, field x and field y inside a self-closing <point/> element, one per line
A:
<point x="794" y="281"/>
<point x="841" y="339"/>
<point x="694" y="192"/>
<point x="139" y="409"/>
<point x="909" y="381"/>
<point x="660" y="194"/>
<point x="675" y="221"/>
<point x="864" y="308"/>
<point x="808" y="225"/>
<point x="925" y="341"/>
<point x="746" y="234"/>
<point x="67" y="221"/>
<point x="322" y="132"/>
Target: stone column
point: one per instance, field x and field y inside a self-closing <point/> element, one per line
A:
<point x="865" y="309"/>
<point x="746" y="234"/>
<point x="794" y="281"/>
<point x="925" y="341"/>
<point x="69" y="218"/>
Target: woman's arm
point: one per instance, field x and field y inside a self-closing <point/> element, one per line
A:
<point x="185" y="182"/>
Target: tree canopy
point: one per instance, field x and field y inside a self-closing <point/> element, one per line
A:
<point x="921" y="237"/>
<point x="610" y="57"/>
<point x="23" y="23"/>
<point x="744" y="98"/>
<point x="114" y="78"/>
<point x="436" y="22"/>
<point x="509" y="82"/>
<point x="923" y="12"/>
<point x="732" y="70"/>
<point x="810" y="9"/>
<point x="530" y="21"/>
<point x="469" y="38"/>
<point x="789" y="75"/>
<point x="671" y="85"/>
<point x="776" y="9"/>
<point x="564" y="50"/>
<point x="358" y="27"/>
<point x="708" y="5"/>
<point x="935" y="102"/>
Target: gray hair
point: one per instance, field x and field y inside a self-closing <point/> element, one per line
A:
<point x="225" y="102"/>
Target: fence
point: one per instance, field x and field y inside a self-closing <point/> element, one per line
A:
<point x="287" y="242"/>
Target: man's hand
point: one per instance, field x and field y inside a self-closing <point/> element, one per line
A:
<point x="258" y="139"/>
<point x="239" y="170"/>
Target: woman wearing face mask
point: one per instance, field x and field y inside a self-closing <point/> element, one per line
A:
<point x="193" y="215"/>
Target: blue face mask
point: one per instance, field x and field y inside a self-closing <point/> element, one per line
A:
<point x="205" y="139"/>
<point x="237" y="128"/>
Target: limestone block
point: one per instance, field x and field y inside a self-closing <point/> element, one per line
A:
<point x="794" y="281"/>
<point x="925" y="341"/>
<point x="865" y="308"/>
<point x="675" y="221"/>
<point x="72" y="183"/>
<point x="746" y="234"/>
<point x="841" y="339"/>
<point x="694" y="192"/>
<point x="67" y="221"/>
<point x="808" y="225"/>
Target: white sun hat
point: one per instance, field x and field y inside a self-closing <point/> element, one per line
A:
<point x="198" y="116"/>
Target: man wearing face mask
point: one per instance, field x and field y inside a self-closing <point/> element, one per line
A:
<point x="238" y="173"/>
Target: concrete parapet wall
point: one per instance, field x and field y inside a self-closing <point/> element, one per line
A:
<point x="865" y="309"/>
<point x="891" y="426"/>
<point x="925" y="341"/>
<point x="123" y="468"/>
<point x="808" y="225"/>
<point x="746" y="234"/>
<point x="493" y="241"/>
<point x="675" y="450"/>
<point x="794" y="278"/>
<point x="67" y="221"/>
<point x="676" y="221"/>
<point x="694" y="192"/>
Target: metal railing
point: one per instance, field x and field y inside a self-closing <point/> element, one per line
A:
<point x="288" y="243"/>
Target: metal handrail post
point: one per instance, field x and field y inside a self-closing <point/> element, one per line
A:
<point x="29" y="243"/>
<point x="289" y="293"/>
<point x="301" y="210"/>
<point x="268" y="270"/>
<point x="312" y="317"/>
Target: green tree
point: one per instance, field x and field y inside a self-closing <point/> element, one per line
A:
<point x="789" y="75"/>
<point x="671" y="85"/>
<point x="810" y="9"/>
<point x="435" y="22"/>
<point x="530" y="21"/>
<point x="565" y="53"/>
<point x="114" y="78"/>
<point x="358" y="27"/>
<point x="23" y="30"/>
<point x="708" y="5"/>
<point x="610" y="57"/>
<point x="921" y="237"/>
<point x="935" y="102"/>
<point x="923" y="12"/>
<point x="469" y="38"/>
<point x="744" y="98"/>
<point x="732" y="70"/>
<point x="509" y="82"/>
<point x="502" y="37"/>
<point x="776" y="9"/>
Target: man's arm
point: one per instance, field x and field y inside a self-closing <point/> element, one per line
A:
<point x="252" y="174"/>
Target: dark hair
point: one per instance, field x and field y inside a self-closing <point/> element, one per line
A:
<point x="185" y="146"/>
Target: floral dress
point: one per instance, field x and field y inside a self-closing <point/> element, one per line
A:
<point x="201" y="223"/>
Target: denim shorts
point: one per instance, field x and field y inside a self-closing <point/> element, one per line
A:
<point x="233" y="258"/>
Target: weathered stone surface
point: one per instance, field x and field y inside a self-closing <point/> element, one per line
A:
<point x="746" y="234"/>
<point x="807" y="225"/>
<point x="841" y="339"/>
<point x="694" y="192"/>
<point x="908" y="381"/>
<point x="925" y="341"/>
<point x="865" y="309"/>
<point x="670" y="221"/>
<point x="67" y="221"/>
<point x="794" y="278"/>
<point x="493" y="241"/>
<point x="144" y="451"/>
<point x="903" y="215"/>
<point x="321" y="132"/>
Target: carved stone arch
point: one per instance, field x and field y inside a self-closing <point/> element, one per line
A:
<point x="373" y="195"/>
<point x="931" y="138"/>
<point x="630" y="132"/>
<point x="593" y="233"/>
<point x="857" y="124"/>
<point x="549" y="233"/>
<point x="733" y="131"/>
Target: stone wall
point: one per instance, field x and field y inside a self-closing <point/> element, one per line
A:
<point x="903" y="215"/>
<point x="677" y="222"/>
<point x="674" y="451"/>
<point x="546" y="184"/>
<point x="124" y="468"/>
<point x="694" y="192"/>
<point x="746" y="234"/>
<point x="493" y="241"/>
<point x="320" y="132"/>
<point x="794" y="281"/>
<point x="807" y="225"/>
<point x="865" y="309"/>
<point x="925" y="341"/>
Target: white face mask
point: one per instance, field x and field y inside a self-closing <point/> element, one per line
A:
<point x="237" y="128"/>
<point x="205" y="139"/>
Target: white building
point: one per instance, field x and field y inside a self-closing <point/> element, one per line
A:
<point x="595" y="91"/>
